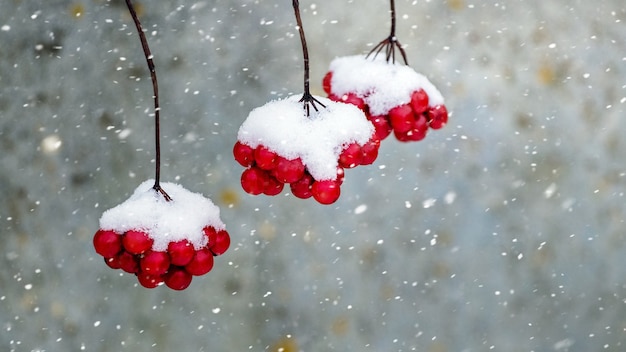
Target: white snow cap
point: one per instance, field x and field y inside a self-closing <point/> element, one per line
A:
<point x="283" y="127"/>
<point x="182" y="218"/>
<point x="382" y="85"/>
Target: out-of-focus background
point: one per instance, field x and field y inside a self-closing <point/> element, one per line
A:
<point x="504" y="231"/>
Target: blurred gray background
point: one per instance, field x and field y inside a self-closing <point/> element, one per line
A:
<point x="504" y="231"/>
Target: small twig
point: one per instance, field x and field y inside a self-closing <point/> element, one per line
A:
<point x="157" y="109"/>
<point x="307" y="97"/>
<point x="162" y="191"/>
<point x="391" y="43"/>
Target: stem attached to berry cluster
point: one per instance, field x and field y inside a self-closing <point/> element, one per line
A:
<point x="391" y="43"/>
<point x="157" y="109"/>
<point x="307" y="97"/>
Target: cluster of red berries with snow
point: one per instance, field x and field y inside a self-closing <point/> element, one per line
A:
<point x="393" y="96"/>
<point x="160" y="240"/>
<point x="284" y="143"/>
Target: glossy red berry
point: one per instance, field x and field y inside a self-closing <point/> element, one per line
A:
<point x="272" y="186"/>
<point x="351" y="156"/>
<point x="107" y="243"/>
<point x="201" y="263"/>
<point x="326" y="82"/>
<point x="221" y="243"/>
<point x="211" y="235"/>
<point x="401" y="118"/>
<point x="113" y="262"/>
<point x="401" y="136"/>
<point x="381" y="126"/>
<point x="351" y="98"/>
<point x="419" y="101"/>
<point x="419" y="129"/>
<point x="370" y="151"/>
<point x="414" y="136"/>
<point x="136" y="242"/>
<point x="155" y="263"/>
<point x="334" y="97"/>
<point x="341" y="174"/>
<point x="302" y="187"/>
<point x="265" y="158"/>
<point x="253" y="180"/>
<point x="177" y="278"/>
<point x="148" y="280"/>
<point x="437" y="116"/>
<point x="244" y="154"/>
<point x="288" y="171"/>
<point x="128" y="262"/>
<point x="326" y="191"/>
<point x="180" y="252"/>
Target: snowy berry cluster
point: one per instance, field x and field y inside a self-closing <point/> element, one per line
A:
<point x="393" y="96"/>
<point x="279" y="144"/>
<point x="159" y="240"/>
<point x="132" y="252"/>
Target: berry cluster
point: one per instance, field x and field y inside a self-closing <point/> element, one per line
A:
<point x="132" y="252"/>
<point x="162" y="237"/>
<point x="267" y="172"/>
<point x="308" y="152"/>
<point x="408" y="115"/>
<point x="158" y="237"/>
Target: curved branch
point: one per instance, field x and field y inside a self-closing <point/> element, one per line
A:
<point x="157" y="109"/>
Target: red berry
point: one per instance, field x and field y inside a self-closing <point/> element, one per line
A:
<point x="326" y="191"/>
<point x="334" y="97"/>
<point x="177" y="279"/>
<point x="351" y="156"/>
<point x="351" y="98"/>
<point x="326" y="82"/>
<point x="370" y="151"/>
<point x="107" y="243"/>
<point x="401" y="118"/>
<point x="420" y="127"/>
<point x="181" y="252"/>
<point x="437" y="116"/>
<point x="340" y="175"/>
<point x="221" y="243"/>
<point x="288" y="171"/>
<point x="401" y="136"/>
<point x="253" y="180"/>
<point x="381" y="125"/>
<point x="265" y="158"/>
<point x="155" y="263"/>
<point x="148" y="280"/>
<point x="113" y="262"/>
<point x="419" y="101"/>
<point x="244" y="154"/>
<point x="272" y="186"/>
<point x="128" y="262"/>
<point x="211" y="235"/>
<point x="415" y="135"/>
<point x="201" y="263"/>
<point x="136" y="242"/>
<point x="302" y="187"/>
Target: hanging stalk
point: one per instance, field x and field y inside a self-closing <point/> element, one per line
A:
<point x="307" y="97"/>
<point x="391" y="43"/>
<point x="157" y="109"/>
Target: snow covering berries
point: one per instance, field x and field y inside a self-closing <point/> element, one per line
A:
<point x="162" y="241"/>
<point x="279" y="144"/>
<point x="394" y="97"/>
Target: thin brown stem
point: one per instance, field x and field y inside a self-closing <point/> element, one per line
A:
<point x="391" y="43"/>
<point x="307" y="98"/>
<point x="157" y="109"/>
